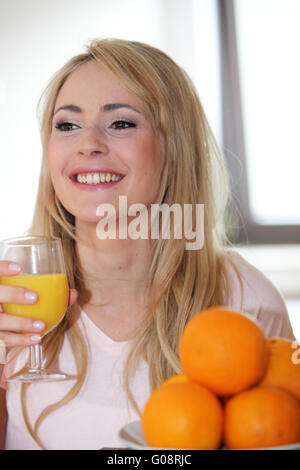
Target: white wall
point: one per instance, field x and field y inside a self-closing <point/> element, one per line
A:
<point x="37" y="37"/>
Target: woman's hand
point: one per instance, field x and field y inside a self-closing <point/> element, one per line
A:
<point x="15" y="330"/>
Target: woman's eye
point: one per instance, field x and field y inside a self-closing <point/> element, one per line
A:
<point x="118" y="125"/>
<point x="65" y="126"/>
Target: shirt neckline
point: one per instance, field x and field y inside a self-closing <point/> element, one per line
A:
<point x="102" y="338"/>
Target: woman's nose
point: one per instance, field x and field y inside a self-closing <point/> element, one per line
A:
<point x="91" y="142"/>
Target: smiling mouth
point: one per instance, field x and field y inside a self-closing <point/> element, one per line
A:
<point x="96" y="178"/>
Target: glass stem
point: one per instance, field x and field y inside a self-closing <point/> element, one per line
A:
<point x="36" y="361"/>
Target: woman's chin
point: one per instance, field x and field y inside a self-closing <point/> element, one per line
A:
<point x="82" y="220"/>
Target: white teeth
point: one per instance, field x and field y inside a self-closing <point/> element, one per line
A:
<point x="96" y="178"/>
<point x="89" y="179"/>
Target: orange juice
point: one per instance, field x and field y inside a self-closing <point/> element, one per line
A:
<point x="53" y="293"/>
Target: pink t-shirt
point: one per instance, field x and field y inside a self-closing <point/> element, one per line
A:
<point x="93" y="419"/>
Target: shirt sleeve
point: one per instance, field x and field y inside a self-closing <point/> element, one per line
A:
<point x="256" y="295"/>
<point x="3" y="378"/>
<point x="9" y="367"/>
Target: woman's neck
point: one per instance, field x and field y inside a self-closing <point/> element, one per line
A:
<point x="115" y="277"/>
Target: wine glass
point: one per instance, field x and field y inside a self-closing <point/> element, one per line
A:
<point x="43" y="271"/>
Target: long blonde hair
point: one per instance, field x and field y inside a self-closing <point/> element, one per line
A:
<point x="183" y="282"/>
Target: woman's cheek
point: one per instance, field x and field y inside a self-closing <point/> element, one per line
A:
<point x="56" y="158"/>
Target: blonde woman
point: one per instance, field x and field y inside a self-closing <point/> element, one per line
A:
<point x="122" y="120"/>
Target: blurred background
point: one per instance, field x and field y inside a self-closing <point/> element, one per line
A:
<point x="243" y="58"/>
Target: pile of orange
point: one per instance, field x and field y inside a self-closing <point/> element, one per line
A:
<point x="238" y="389"/>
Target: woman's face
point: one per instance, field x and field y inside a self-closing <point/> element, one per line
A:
<point x="102" y="144"/>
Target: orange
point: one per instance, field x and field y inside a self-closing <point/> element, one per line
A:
<point x="183" y="415"/>
<point x="261" y="417"/>
<point x="224" y="350"/>
<point x="175" y="379"/>
<point x="284" y="366"/>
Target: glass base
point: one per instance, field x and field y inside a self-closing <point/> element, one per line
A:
<point x="37" y="377"/>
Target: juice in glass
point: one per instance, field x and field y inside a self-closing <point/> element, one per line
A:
<point x="53" y="293"/>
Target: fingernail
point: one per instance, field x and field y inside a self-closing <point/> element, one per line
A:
<point x="38" y="324"/>
<point x="35" y="338"/>
<point x="14" y="267"/>
<point x="30" y="295"/>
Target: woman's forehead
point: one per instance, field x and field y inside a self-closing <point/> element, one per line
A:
<point x="89" y="82"/>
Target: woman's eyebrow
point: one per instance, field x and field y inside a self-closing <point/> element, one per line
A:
<point x="69" y="107"/>
<point x="106" y="107"/>
<point x="112" y="106"/>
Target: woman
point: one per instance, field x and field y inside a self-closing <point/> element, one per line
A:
<point x="123" y="120"/>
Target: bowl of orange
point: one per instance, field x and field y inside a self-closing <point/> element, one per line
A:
<point x="237" y="390"/>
